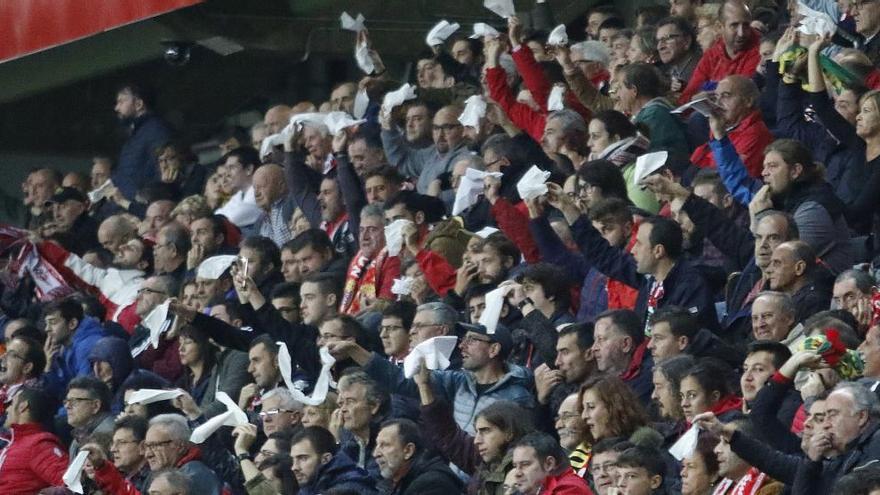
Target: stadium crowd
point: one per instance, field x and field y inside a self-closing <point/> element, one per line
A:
<point x="529" y="272"/>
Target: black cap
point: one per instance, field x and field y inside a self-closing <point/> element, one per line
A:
<point x="63" y="194"/>
<point x="501" y="336"/>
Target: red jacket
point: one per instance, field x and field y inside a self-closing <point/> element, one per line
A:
<point x="567" y="483"/>
<point x="513" y="220"/>
<point x="34" y="459"/>
<point x="749" y="137"/>
<point x="439" y="273"/>
<point x="538" y="84"/>
<point x="715" y="65"/>
<point x="530" y="121"/>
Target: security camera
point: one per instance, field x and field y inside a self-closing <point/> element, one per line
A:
<point x="177" y="52"/>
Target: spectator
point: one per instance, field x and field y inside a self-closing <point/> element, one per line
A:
<point x="621" y="349"/>
<point x="852" y="289"/>
<point x="706" y="388"/>
<point x="686" y="9"/>
<point x="640" y="471"/>
<point x="137" y="164"/>
<point x="270" y="194"/>
<point x="735" y="53"/>
<point x="34" y="458"/>
<point x="640" y="92"/>
<point x="407" y="464"/>
<point x="699" y="471"/>
<point x="319" y="465"/>
<point x="372" y="269"/>
<point x="170" y="251"/>
<point x="281" y="413"/>
<point x="609" y="408"/>
<point x="88" y="409"/>
<point x="540" y="466"/>
<point x="428" y="163"/>
<point x="678" y="50"/>
<point x="126" y="451"/>
<point x="70" y="337"/>
<point x="241" y="209"/>
<point x="362" y="408"/>
<point x="738" y="125"/>
<point x="22" y="364"/>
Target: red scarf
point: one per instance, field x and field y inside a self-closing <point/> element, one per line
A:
<point x="747" y="485"/>
<point x="361" y="280"/>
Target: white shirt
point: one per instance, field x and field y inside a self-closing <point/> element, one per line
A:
<point x="241" y="209"/>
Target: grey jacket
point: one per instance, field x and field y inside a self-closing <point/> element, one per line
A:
<point x="229" y="375"/>
<point x="426" y="164"/>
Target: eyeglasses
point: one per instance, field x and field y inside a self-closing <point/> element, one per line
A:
<point x="267" y="453"/>
<point x="13" y="354"/>
<point x="568" y="416"/>
<point x="157" y="445"/>
<point x="667" y="39"/>
<point x="68" y="402"/>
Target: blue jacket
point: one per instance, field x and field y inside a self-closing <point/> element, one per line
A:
<point x="115" y="351"/>
<point x="137" y="164"/>
<point x="341" y="473"/>
<point x="684" y="286"/>
<point x="73" y="360"/>
<point x="459" y="388"/>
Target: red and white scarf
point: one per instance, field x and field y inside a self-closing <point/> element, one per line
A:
<point x="361" y="281"/>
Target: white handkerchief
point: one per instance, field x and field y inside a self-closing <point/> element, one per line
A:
<point x="685" y="445"/>
<point x="150" y="395"/>
<point x="647" y="164"/>
<point x="501" y="8"/>
<point x="703" y="106"/>
<point x="308" y="118"/>
<point x="469" y="188"/>
<point x="815" y="22"/>
<point x="157" y="322"/>
<point x="436" y="352"/>
<point x="556" y="100"/>
<point x="483" y="30"/>
<point x="214" y="267"/>
<point x="270" y="142"/>
<point x="533" y="183"/>
<point x="73" y="476"/>
<point x="397" y="97"/>
<point x="402" y="286"/>
<point x="100" y="192"/>
<point x="474" y="110"/>
<point x="394" y="236"/>
<point x="441" y="32"/>
<point x="486" y="232"/>
<point x="322" y="385"/>
<point x="494" y="304"/>
<point x="361" y="102"/>
<point x="558" y="37"/>
<point x="350" y="23"/>
<point x="337" y="121"/>
<point x="233" y="417"/>
<point x="362" y="56"/>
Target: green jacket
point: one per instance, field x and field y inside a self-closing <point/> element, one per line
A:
<point x="666" y="131"/>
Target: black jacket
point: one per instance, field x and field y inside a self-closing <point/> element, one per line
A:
<point x="429" y="475"/>
<point x="779" y="466"/>
<point x="772" y="412"/>
<point x="684" y="285"/>
<point x="819" y="477"/>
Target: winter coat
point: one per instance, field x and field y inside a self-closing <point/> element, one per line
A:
<point x="715" y="65"/>
<point x="341" y="473"/>
<point x="429" y="475"/>
<point x="749" y="137"/>
<point x="33" y="459"/>
<point x="73" y="360"/>
<point x="458" y="387"/>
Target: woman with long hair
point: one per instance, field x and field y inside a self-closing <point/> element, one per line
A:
<point x="706" y="387"/>
<point x="610" y="409"/>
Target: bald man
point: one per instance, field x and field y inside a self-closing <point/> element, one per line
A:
<point x="276" y="118"/>
<point x="427" y="164"/>
<point x="116" y="231"/>
<point x="158" y="215"/>
<point x="270" y="192"/>
<point x="736" y="52"/>
<point x="737" y="99"/>
<point x="794" y="270"/>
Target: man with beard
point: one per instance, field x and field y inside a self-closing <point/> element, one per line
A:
<point x="372" y="271"/>
<point x="418" y="124"/>
<point x="406" y="464"/>
<point x="334" y="218"/>
<point x="137" y="164"/>
<point x="116" y="287"/>
<point x="429" y="163"/>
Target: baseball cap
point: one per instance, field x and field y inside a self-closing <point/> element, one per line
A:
<point x="63" y="194"/>
<point x="501" y="336"/>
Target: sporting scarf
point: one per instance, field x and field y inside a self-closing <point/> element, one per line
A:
<point x="747" y="485"/>
<point x="361" y="280"/>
